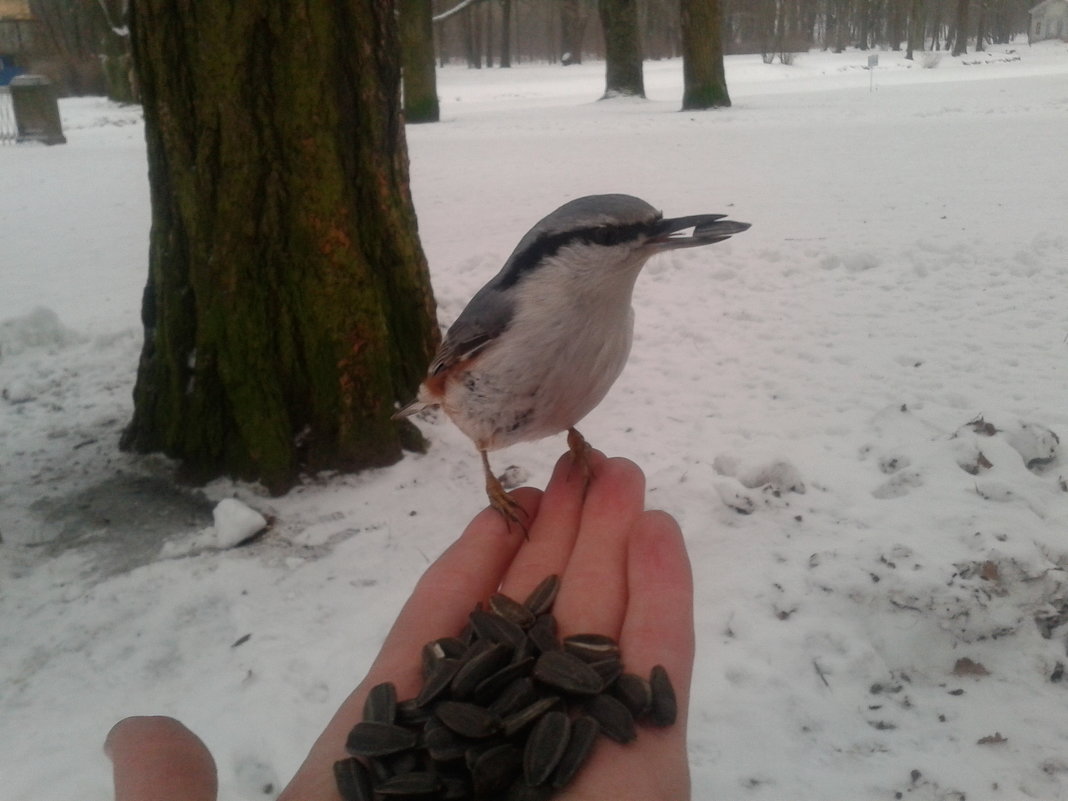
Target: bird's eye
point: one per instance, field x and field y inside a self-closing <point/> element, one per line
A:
<point x="601" y="236"/>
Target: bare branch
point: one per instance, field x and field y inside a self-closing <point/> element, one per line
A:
<point x="118" y="30"/>
<point x="456" y="9"/>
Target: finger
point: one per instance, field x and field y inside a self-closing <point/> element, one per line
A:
<point x="593" y="590"/>
<point x="467" y="572"/>
<point x="553" y="532"/>
<point x="159" y="759"/>
<point x="657" y="629"/>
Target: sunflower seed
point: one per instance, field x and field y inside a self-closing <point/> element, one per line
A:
<point x="368" y="738"/>
<point x="513" y="611"/>
<point x="542" y="597"/>
<point x="443" y="648"/>
<point x="664" y="708"/>
<point x="488" y="659"/>
<point x="635" y="693"/>
<point x="442" y="743"/>
<point x="490" y="687"/>
<point x="380" y="705"/>
<point x="614" y="718"/>
<point x="517" y="721"/>
<point x="543" y="634"/>
<point x="584" y="731"/>
<point x="477" y="749"/>
<point x="409" y="713"/>
<point x="545" y="746"/>
<point x="407" y="784"/>
<point x="469" y="720"/>
<point x="404" y="761"/>
<point x="380" y="770"/>
<point x="568" y="673"/>
<point x="455" y="788"/>
<point x="490" y="627"/>
<point x="495" y="769"/>
<point x="525" y="650"/>
<point x="439" y="679"/>
<point x="353" y="780"/>
<point x="514" y="697"/>
<point x="608" y="669"/>
<point x="591" y="647"/>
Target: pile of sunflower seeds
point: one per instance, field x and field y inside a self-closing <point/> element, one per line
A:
<point x="507" y="712"/>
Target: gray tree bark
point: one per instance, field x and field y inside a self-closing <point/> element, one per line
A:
<point x="623" y="50"/>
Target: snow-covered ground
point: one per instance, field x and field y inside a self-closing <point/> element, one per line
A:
<point x="852" y="410"/>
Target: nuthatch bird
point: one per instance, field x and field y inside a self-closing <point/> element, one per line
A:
<point x="538" y="347"/>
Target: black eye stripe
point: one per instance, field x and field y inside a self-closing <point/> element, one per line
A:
<point x="548" y="244"/>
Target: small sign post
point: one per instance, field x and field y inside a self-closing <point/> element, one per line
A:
<point x="873" y="62"/>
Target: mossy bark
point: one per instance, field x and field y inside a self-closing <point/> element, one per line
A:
<point x="288" y="303"/>
<point x="703" y="76"/>
<point x="622" y="48"/>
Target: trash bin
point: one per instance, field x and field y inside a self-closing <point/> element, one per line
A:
<point x="36" y="107"/>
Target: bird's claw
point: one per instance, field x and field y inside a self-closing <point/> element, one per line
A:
<point x="580" y="455"/>
<point x="508" y="507"/>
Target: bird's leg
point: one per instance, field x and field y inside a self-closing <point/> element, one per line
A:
<point x="500" y="499"/>
<point x="580" y="454"/>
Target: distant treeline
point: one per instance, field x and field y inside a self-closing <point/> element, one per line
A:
<point x="568" y="31"/>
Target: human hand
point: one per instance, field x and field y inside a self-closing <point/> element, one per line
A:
<point x="624" y="572"/>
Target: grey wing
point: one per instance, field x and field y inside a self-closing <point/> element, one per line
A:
<point x="477" y="327"/>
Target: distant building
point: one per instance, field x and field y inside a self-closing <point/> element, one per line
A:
<point x="1049" y="20"/>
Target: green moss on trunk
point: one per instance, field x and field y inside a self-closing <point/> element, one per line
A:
<point x="288" y="304"/>
<point x="704" y="79"/>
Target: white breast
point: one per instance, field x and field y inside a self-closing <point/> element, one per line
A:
<point x="565" y="347"/>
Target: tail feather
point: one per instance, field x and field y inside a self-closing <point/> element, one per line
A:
<point x="414" y="407"/>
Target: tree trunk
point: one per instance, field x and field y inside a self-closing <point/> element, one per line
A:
<point x="288" y="304"/>
<point x="506" y="33"/>
<point x="623" y="49"/>
<point x="417" y="59"/>
<point x="980" y="28"/>
<point x="472" y="50"/>
<point x="960" y="40"/>
<point x="704" y="80"/>
<point x="573" y="19"/>
<point x="841" y="25"/>
<point x="915" y="28"/>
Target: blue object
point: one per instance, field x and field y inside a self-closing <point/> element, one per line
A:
<point x="8" y="69"/>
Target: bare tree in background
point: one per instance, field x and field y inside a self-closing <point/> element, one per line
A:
<point x="87" y="47"/>
<point x="417" y="59"/>
<point x="574" y="16"/>
<point x="960" y="33"/>
<point x="555" y="30"/>
<point x="506" y="34"/>
<point x="704" y="80"/>
<point x="915" y="28"/>
<point x="288" y="305"/>
<point x="981" y="26"/>
<point x="623" y="48"/>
